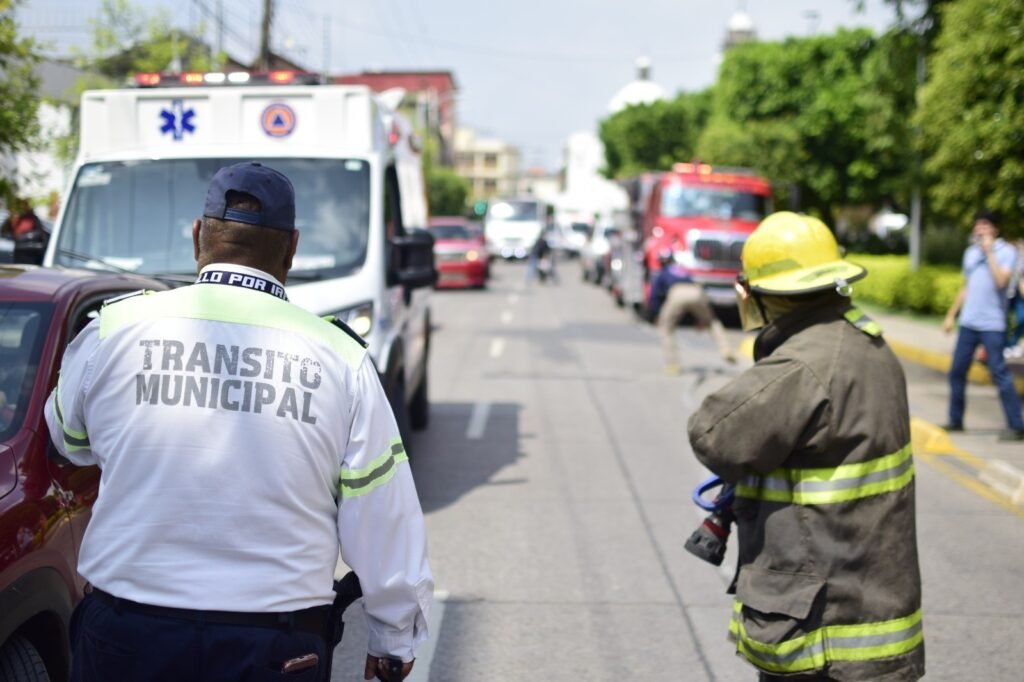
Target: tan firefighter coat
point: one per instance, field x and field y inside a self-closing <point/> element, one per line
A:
<point x="816" y="437"/>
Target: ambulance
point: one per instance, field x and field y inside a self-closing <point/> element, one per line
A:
<point x="147" y="154"/>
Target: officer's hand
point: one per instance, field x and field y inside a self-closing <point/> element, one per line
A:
<point x="948" y="324"/>
<point x="376" y="666"/>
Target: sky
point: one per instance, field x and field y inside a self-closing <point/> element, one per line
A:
<point x="530" y="72"/>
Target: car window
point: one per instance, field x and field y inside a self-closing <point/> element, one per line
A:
<point x="451" y="232"/>
<point x="23" y="329"/>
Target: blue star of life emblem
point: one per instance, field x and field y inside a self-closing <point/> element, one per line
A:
<point x="178" y="120"/>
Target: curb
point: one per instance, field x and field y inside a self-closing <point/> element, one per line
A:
<point x="994" y="479"/>
<point x="941" y="362"/>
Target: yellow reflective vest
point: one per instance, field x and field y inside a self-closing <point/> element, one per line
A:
<point x="816" y="438"/>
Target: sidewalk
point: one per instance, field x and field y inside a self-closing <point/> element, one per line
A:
<point x="974" y="456"/>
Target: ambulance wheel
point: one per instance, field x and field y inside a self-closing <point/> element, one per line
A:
<point x="20" y="662"/>
<point x="419" y="409"/>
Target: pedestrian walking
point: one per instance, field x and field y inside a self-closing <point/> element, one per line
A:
<point x="674" y="295"/>
<point x="815" y="440"/>
<point x="980" y="308"/>
<point x="242" y="442"/>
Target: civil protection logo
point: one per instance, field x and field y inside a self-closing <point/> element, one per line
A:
<point x="278" y="120"/>
<point x="177" y="120"/>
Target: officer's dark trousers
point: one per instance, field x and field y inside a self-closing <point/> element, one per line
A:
<point x="118" y="645"/>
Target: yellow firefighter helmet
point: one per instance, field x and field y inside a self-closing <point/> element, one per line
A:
<point x="790" y="254"/>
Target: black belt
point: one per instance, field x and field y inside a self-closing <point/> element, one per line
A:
<point x="311" y="620"/>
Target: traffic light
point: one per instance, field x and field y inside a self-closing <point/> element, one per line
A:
<point x="479" y="207"/>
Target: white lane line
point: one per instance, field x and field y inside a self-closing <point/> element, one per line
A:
<point x="478" y="421"/>
<point x="425" y="654"/>
<point x="506" y="317"/>
<point x="497" y="347"/>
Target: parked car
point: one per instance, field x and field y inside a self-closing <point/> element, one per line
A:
<point x="45" y="500"/>
<point x="574" y="236"/>
<point x="460" y="253"/>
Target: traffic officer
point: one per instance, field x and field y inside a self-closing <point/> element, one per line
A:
<point x="241" y="441"/>
<point x="816" y="439"/>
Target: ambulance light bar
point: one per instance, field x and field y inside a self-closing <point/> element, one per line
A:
<point x="171" y="80"/>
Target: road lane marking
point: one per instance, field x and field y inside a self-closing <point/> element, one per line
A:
<point x="506" y="317"/>
<point x="497" y="347"/>
<point x="425" y="654"/>
<point x="478" y="421"/>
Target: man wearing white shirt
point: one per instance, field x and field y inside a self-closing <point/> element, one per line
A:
<point x="242" y="442"/>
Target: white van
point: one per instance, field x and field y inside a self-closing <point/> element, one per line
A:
<point x="147" y="155"/>
<point x="512" y="226"/>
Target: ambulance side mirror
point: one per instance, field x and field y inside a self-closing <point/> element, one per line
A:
<point x="413" y="259"/>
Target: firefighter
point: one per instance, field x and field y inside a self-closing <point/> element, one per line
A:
<point x="241" y="441"/>
<point x="816" y="439"/>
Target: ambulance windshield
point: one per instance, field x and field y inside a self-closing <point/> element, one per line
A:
<point x="137" y="215"/>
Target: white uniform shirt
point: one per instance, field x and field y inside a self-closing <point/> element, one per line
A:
<point x="240" y="438"/>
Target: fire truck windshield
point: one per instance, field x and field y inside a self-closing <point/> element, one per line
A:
<point x="679" y="201"/>
<point x="137" y="215"/>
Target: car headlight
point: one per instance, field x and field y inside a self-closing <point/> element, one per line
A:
<point x="472" y="255"/>
<point x="358" y="317"/>
<point x="684" y="258"/>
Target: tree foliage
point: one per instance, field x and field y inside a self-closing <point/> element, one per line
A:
<point x="828" y="116"/>
<point x="125" y="40"/>
<point x="19" y="99"/>
<point x="654" y="136"/>
<point x="972" y="112"/>
<point x="446" y="192"/>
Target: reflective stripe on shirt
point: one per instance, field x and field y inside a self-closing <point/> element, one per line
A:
<point x="356" y="482"/>
<point x="813" y="651"/>
<point x="828" y="486"/>
<point x="73" y="440"/>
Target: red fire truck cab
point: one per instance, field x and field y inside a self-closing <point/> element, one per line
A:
<point x="703" y="214"/>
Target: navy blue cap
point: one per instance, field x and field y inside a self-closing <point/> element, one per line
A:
<point x="273" y="190"/>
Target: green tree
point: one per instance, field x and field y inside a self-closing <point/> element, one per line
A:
<point x="125" y="40"/>
<point x="19" y="99"/>
<point x="446" y="192"/>
<point x="972" y="112"/>
<point x="654" y="136"/>
<point x="827" y="116"/>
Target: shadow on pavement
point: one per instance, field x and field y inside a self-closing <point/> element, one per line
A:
<point x="448" y="464"/>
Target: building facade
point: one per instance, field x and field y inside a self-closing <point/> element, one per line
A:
<point x="430" y="102"/>
<point x="491" y="166"/>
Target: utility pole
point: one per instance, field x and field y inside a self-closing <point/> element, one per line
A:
<point x="915" y="198"/>
<point x="220" y="35"/>
<point x="327" y="47"/>
<point x="268" y="10"/>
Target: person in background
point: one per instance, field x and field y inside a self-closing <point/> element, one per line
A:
<point x="674" y="295"/>
<point x="242" y="442"/>
<point x="1014" y="349"/>
<point x="541" y="262"/>
<point x="22" y="221"/>
<point x="980" y="309"/>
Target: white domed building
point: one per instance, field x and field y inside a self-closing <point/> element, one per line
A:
<point x="640" y="91"/>
<point x="739" y="30"/>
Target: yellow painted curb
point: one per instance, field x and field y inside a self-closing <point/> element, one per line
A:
<point x="941" y="362"/>
<point x="933" y="445"/>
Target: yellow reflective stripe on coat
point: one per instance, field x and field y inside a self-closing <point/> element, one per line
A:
<point x="858" y="319"/>
<point x="73" y="440"/>
<point x="828" y="486"/>
<point x="813" y="651"/>
<point x="356" y="482"/>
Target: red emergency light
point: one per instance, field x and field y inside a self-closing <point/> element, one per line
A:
<point x="147" y="80"/>
<point x="281" y="77"/>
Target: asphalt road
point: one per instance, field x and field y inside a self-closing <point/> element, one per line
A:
<point x="556" y="475"/>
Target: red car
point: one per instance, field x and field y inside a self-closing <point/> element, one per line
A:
<point x="45" y="500"/>
<point x="460" y="254"/>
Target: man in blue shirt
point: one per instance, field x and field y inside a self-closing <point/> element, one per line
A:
<point x="981" y="304"/>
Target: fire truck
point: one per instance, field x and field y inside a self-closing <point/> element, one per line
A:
<point x="700" y="216"/>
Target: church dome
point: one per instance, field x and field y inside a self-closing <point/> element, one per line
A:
<point x="640" y="91"/>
